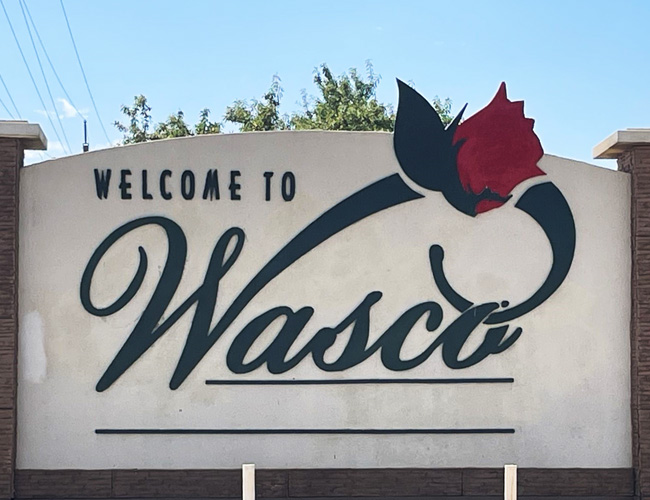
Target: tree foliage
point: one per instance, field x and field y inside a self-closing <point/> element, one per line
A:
<point x="175" y="126"/>
<point x="205" y="126"/>
<point x="140" y="124"/>
<point x="139" y="116"/>
<point x="260" y="115"/>
<point x="346" y="102"/>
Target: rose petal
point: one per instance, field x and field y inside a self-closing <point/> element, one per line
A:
<point x="500" y="149"/>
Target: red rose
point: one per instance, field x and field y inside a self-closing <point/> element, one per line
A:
<point x="498" y="150"/>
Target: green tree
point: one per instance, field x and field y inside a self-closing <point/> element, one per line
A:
<point x="139" y="116"/>
<point x="260" y="115"/>
<point x="140" y="124"/>
<point x="346" y="102"/>
<point x="175" y="126"/>
<point x="349" y="102"/>
<point x="205" y="126"/>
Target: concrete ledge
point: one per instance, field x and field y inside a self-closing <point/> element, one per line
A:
<point x="621" y="141"/>
<point x="30" y="134"/>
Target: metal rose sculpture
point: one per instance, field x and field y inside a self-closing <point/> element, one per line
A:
<point x="474" y="164"/>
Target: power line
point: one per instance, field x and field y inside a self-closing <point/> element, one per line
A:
<point x="92" y="99"/>
<point x="30" y="73"/>
<point x="47" y="85"/>
<point x="38" y="37"/>
<point x="6" y="109"/>
<point x="10" y="98"/>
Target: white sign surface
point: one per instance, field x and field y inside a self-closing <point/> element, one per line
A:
<point x="285" y="376"/>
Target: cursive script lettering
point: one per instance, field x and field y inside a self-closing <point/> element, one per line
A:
<point x="556" y="220"/>
<point x="200" y="339"/>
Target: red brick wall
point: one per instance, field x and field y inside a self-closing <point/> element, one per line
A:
<point x="637" y="162"/>
<point x="11" y="157"/>
<point x="323" y="483"/>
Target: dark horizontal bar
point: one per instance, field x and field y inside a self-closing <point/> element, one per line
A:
<point x="305" y="431"/>
<point x="366" y="381"/>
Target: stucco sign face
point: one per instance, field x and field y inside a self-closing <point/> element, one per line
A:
<point x="446" y="296"/>
<point x="475" y="166"/>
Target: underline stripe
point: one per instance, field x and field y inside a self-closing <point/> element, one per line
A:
<point x="306" y="431"/>
<point x="366" y="381"/>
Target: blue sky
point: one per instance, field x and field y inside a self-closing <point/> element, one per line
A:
<point x="580" y="66"/>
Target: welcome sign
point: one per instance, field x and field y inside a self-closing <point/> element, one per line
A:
<point x="440" y="296"/>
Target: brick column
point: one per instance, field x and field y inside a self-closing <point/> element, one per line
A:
<point x="15" y="137"/>
<point x="631" y="148"/>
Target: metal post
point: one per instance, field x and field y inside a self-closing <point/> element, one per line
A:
<point x="85" y="144"/>
<point x="248" y="481"/>
<point x="510" y="482"/>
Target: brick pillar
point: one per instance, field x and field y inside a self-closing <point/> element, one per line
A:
<point x="15" y="137"/>
<point x="631" y="148"/>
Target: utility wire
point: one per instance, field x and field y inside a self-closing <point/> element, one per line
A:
<point x="47" y="85"/>
<point x="6" y="109"/>
<point x="10" y="98"/>
<point x="38" y="37"/>
<point x="30" y="73"/>
<point x="92" y="99"/>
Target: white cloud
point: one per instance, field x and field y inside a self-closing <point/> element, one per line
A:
<point x="34" y="157"/>
<point x="54" y="150"/>
<point x="67" y="110"/>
